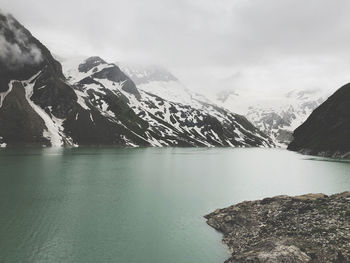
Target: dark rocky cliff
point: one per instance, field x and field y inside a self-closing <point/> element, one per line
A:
<point x="327" y="131"/>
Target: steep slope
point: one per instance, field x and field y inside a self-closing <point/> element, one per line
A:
<point x="39" y="106"/>
<point x="164" y="122"/>
<point x="327" y="131"/>
<point x="33" y="93"/>
<point x="277" y="115"/>
<point x="98" y="104"/>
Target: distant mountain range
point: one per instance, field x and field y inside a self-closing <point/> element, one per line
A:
<point x="278" y="115"/>
<point x="93" y="102"/>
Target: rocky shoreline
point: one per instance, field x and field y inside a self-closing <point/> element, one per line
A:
<point x="307" y="228"/>
<point x="327" y="154"/>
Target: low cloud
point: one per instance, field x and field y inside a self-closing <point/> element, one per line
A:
<point x="275" y="44"/>
<point x="16" y="50"/>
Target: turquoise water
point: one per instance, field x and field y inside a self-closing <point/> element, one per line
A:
<point x="140" y="205"/>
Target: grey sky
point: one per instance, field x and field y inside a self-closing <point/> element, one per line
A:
<point x="253" y="44"/>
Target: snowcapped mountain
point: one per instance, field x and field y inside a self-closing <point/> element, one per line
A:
<point x="277" y="115"/>
<point x="95" y="103"/>
<point x="163" y="122"/>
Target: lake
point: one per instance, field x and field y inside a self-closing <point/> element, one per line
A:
<point x="140" y="205"/>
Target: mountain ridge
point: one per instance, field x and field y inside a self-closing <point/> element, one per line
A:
<point x="96" y="103"/>
<point x="277" y="115"/>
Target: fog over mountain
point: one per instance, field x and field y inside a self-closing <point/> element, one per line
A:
<point x="256" y="45"/>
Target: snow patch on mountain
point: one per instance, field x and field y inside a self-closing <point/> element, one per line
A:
<point x="71" y="70"/>
<point x="54" y="130"/>
<point x="277" y="115"/>
<point x="174" y="114"/>
<point x="4" y="94"/>
<point x="95" y="103"/>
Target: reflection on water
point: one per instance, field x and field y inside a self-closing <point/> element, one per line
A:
<point x="140" y="205"/>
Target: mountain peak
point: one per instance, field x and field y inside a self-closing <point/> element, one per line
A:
<point x="21" y="54"/>
<point x="90" y="63"/>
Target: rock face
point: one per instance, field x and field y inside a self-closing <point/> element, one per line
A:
<point x="308" y="228"/>
<point x="95" y="103"/>
<point x="327" y="131"/>
<point x="33" y="89"/>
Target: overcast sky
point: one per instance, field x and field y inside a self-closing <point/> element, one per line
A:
<point x="246" y="44"/>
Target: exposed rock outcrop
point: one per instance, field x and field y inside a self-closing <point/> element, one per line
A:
<point x="307" y="228"/>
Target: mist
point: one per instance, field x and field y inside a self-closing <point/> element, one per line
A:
<point x="266" y="46"/>
<point x="16" y="49"/>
